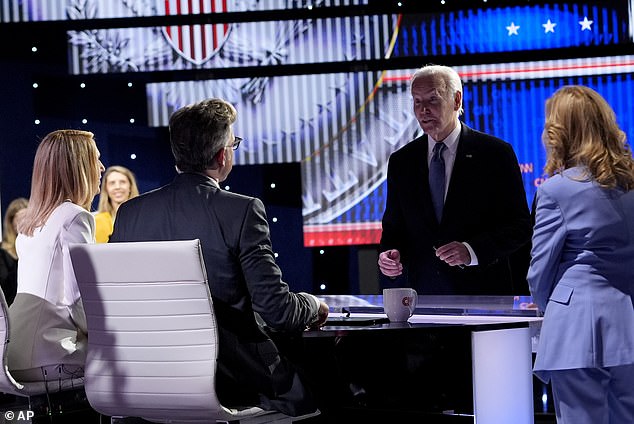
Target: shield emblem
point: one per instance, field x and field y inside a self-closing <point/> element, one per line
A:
<point x="196" y="43"/>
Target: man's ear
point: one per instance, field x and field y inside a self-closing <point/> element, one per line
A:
<point x="457" y="100"/>
<point x="220" y="157"/>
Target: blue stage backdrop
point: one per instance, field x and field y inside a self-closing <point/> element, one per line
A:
<point x="343" y="126"/>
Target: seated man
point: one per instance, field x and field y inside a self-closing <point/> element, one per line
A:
<point x="244" y="280"/>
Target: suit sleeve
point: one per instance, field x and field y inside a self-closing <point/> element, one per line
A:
<point x="549" y="236"/>
<point x="393" y="223"/>
<point x="271" y="298"/>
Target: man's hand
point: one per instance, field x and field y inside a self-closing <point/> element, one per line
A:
<point x="454" y="254"/>
<point x="322" y="315"/>
<point x="390" y="263"/>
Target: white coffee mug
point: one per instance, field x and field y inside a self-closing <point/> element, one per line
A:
<point x="399" y="303"/>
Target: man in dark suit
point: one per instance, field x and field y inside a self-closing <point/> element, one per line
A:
<point x="456" y="206"/>
<point x="245" y="282"/>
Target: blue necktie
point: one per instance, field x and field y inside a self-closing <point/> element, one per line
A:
<point x="437" y="179"/>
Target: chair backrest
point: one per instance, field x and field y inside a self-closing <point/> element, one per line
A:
<point x="152" y="335"/>
<point x="7" y="382"/>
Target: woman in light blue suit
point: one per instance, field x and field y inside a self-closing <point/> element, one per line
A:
<point x="582" y="268"/>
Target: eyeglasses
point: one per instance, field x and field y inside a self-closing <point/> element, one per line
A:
<point x="236" y="142"/>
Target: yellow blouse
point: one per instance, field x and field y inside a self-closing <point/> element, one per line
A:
<point x="104" y="226"/>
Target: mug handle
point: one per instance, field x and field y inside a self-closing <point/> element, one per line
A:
<point x="413" y="301"/>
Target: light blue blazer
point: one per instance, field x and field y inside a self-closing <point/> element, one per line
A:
<point x="582" y="274"/>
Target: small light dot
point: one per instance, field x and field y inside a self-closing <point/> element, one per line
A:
<point x="35" y="85"/>
<point x="274" y="219"/>
<point x="310" y="7"/>
<point x="442" y="1"/>
<point x="37" y="122"/>
<point x="82" y="85"/>
<point x="132" y="120"/>
<point x="322" y="286"/>
<point x="84" y="121"/>
<point x="133" y="156"/>
<point x="400" y="4"/>
<point x="33" y="49"/>
<point x="129" y="84"/>
<point x="272" y="185"/>
<point x="276" y="254"/>
<point x="321" y="251"/>
<point x="227" y="188"/>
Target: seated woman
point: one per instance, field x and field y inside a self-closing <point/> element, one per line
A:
<point x="48" y="325"/>
<point x="118" y="185"/>
<point x="8" y="255"/>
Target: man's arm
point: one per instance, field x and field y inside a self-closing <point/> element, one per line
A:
<point x="271" y="298"/>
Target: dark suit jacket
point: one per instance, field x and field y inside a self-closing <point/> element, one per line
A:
<point x="485" y="206"/>
<point x="243" y="279"/>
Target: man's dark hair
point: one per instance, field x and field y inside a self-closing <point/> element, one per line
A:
<point x="198" y="132"/>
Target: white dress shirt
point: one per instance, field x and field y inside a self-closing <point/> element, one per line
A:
<point x="449" y="156"/>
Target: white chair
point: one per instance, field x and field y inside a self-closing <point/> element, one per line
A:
<point x="9" y="385"/>
<point x="152" y="335"/>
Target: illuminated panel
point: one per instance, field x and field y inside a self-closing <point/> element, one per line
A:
<point x="507" y="101"/>
<point x="230" y="45"/>
<point x="343" y="127"/>
<point x="58" y="10"/>
<point x="513" y="28"/>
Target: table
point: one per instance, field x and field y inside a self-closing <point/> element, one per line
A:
<point x="458" y="358"/>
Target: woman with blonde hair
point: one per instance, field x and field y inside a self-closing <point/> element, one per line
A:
<point x="48" y="325"/>
<point x="8" y="255"/>
<point x="118" y="185"/>
<point x="582" y="268"/>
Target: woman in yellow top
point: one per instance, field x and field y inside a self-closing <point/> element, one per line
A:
<point x="117" y="186"/>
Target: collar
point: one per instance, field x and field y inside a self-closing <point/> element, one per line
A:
<point x="451" y="141"/>
<point x="196" y="175"/>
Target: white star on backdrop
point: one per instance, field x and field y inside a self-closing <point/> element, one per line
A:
<point x="586" y="24"/>
<point x="549" y="26"/>
<point x="512" y="29"/>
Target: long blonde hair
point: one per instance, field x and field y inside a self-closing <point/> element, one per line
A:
<point x="581" y="130"/>
<point x="104" y="200"/>
<point x="66" y="167"/>
<point x="9" y="233"/>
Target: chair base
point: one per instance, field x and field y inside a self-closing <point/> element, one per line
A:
<point x="61" y="407"/>
<point x="267" y="418"/>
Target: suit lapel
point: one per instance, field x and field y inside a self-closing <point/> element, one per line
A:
<point x="459" y="181"/>
<point x="420" y="182"/>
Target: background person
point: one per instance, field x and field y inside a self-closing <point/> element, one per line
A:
<point x="245" y="282"/>
<point x="48" y="325"/>
<point x="582" y="269"/>
<point x="118" y="185"/>
<point x="8" y="255"/>
<point x="456" y="206"/>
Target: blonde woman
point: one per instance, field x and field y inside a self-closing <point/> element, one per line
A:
<point x="8" y="255"/>
<point x="48" y="325"/>
<point x="118" y="186"/>
<point x="581" y="273"/>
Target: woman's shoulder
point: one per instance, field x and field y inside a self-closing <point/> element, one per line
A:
<point x="70" y="209"/>
<point x="69" y="212"/>
<point x="570" y="179"/>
